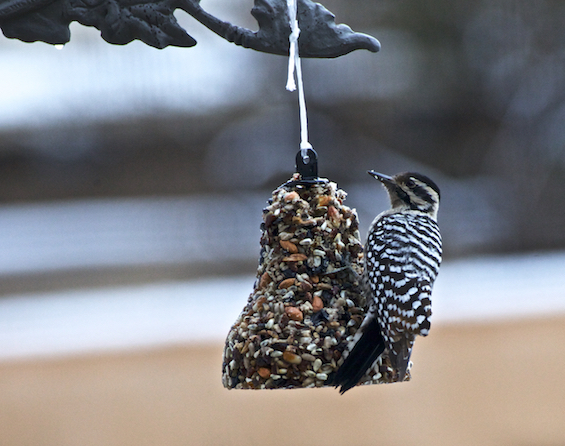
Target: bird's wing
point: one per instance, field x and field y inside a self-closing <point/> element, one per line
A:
<point x="400" y="273"/>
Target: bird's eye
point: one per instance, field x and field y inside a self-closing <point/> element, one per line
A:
<point x="410" y="183"/>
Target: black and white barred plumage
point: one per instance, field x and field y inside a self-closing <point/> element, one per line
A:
<point x="402" y="258"/>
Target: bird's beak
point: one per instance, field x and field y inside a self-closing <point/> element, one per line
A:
<point x="385" y="179"/>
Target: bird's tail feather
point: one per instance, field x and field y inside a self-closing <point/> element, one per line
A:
<point x="400" y="356"/>
<point x="364" y="353"/>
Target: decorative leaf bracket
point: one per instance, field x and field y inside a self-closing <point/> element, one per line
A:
<point x="153" y="22"/>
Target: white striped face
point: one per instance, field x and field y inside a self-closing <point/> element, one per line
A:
<point x="412" y="191"/>
<point x="422" y="197"/>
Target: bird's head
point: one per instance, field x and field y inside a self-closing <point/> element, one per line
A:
<point x="411" y="191"/>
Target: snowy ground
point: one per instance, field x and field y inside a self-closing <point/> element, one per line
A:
<point x="47" y="324"/>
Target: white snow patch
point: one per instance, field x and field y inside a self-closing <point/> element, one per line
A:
<point x="65" y="322"/>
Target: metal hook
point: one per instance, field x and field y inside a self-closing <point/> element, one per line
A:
<point x="307" y="167"/>
<point x="307" y="164"/>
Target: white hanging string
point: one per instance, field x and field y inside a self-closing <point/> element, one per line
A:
<point x="294" y="65"/>
<point x="293" y="40"/>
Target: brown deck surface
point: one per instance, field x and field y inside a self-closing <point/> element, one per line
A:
<point x="492" y="384"/>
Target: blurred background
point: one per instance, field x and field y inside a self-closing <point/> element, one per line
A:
<point x="131" y="187"/>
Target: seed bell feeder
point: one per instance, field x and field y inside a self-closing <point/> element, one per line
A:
<point x="307" y="301"/>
